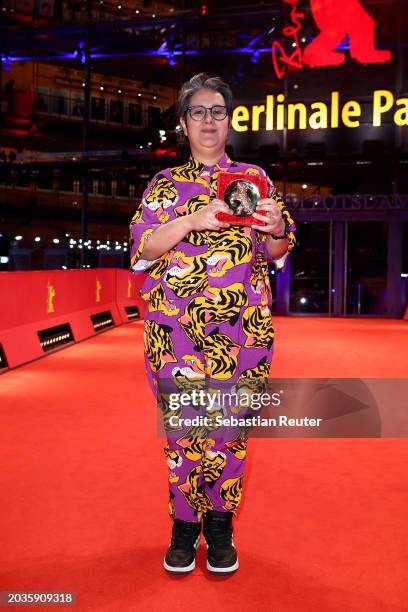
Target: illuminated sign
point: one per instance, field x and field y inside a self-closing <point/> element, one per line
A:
<point x="280" y="58"/>
<point x="276" y="113"/>
<point x="336" y="19"/>
<point x="347" y="202"/>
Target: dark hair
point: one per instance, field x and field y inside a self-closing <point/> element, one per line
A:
<point x="199" y="81"/>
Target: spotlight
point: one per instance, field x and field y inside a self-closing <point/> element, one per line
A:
<point x="303" y="300"/>
<point x="18" y="237"/>
<point x="37" y="239"/>
<point x="6" y="61"/>
<point x="255" y="56"/>
<point x="79" y="53"/>
<point x="55" y="240"/>
<point x="304" y="186"/>
<point x="171" y="59"/>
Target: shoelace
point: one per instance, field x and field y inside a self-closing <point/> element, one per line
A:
<point x="220" y="534"/>
<point x="183" y="535"/>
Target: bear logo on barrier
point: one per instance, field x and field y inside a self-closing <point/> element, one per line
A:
<point x="98" y="290"/>
<point x="50" y="297"/>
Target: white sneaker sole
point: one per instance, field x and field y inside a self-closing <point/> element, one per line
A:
<point x="185" y="569"/>
<point x="222" y="570"/>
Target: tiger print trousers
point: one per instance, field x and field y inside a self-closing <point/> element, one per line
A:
<point x="189" y="349"/>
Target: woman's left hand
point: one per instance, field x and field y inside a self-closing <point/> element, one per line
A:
<point x="268" y="210"/>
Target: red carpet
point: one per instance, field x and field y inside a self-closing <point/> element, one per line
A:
<point x="84" y="498"/>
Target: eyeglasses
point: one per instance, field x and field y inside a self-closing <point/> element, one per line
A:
<point x="198" y="113"/>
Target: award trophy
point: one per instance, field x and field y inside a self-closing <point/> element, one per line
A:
<point x="242" y="193"/>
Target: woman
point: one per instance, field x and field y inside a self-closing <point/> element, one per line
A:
<point x="207" y="320"/>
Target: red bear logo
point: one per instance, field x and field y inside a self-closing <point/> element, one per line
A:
<point x="336" y="19"/>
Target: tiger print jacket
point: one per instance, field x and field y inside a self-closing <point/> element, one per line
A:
<point x="224" y="266"/>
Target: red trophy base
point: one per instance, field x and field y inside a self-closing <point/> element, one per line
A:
<point x="235" y="220"/>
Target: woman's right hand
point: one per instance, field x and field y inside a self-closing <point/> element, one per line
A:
<point x="205" y="218"/>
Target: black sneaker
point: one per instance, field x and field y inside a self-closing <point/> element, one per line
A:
<point x="222" y="557"/>
<point x="185" y="538"/>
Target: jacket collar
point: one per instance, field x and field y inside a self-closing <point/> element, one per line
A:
<point x="199" y="167"/>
